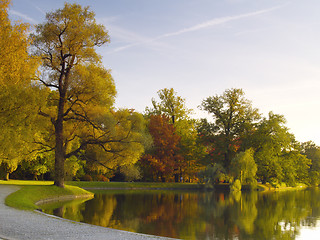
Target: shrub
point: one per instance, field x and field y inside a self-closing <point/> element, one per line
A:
<point x="87" y="178"/>
<point x="130" y="172"/>
<point x="101" y="178"/>
<point x="236" y="185"/>
<point x="213" y="174"/>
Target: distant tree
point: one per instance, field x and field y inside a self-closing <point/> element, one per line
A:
<point x="7" y="167"/>
<point x="130" y="172"/>
<point x="38" y="164"/>
<point x="81" y="105"/>
<point x="243" y="167"/>
<point x="233" y="117"/>
<point x="270" y="139"/>
<point x="190" y="151"/>
<point x="269" y="167"/>
<point x="161" y="162"/>
<point x="170" y="105"/>
<point x="190" y="148"/>
<point x="276" y="152"/>
<point x="295" y="167"/>
<point x="212" y="174"/>
<point x="312" y="152"/>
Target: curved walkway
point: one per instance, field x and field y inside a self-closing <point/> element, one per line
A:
<point x="19" y="225"/>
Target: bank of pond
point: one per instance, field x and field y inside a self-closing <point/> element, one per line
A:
<point x="186" y="212"/>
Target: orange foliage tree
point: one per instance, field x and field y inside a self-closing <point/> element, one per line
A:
<point x="162" y="161"/>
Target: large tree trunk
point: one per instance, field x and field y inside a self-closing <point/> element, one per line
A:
<point x="60" y="152"/>
<point x="59" y="158"/>
<point x="6" y="176"/>
<point x="59" y="149"/>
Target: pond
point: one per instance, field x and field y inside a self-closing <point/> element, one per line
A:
<point x="201" y="215"/>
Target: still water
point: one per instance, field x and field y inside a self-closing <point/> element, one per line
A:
<point x="201" y="215"/>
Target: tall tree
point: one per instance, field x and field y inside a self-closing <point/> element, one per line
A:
<point x="170" y="105"/>
<point x="174" y="107"/>
<point x="190" y="148"/>
<point x="17" y="93"/>
<point x="276" y="152"/>
<point x="244" y="168"/>
<point x="312" y="152"/>
<point x="233" y="117"/>
<point x="17" y="67"/>
<point x="269" y="140"/>
<point x="80" y="106"/>
<point x="162" y="160"/>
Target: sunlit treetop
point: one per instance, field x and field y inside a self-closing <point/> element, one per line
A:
<point x="16" y="66"/>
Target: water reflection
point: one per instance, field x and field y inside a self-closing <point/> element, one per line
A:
<point x="200" y="215"/>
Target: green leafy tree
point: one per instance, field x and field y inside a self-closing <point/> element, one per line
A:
<point x="7" y="167"/>
<point x="270" y="139"/>
<point x="190" y="148"/>
<point x="38" y="164"/>
<point x="234" y="118"/>
<point x="269" y="167"/>
<point x="81" y="104"/>
<point x="243" y="167"/>
<point x="276" y="152"/>
<point x="131" y="172"/>
<point x="170" y="105"/>
<point x="295" y="167"/>
<point x="312" y="152"/>
<point x="190" y="151"/>
<point x="213" y="174"/>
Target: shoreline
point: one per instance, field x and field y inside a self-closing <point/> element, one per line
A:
<point x="63" y="198"/>
<point x="21" y="225"/>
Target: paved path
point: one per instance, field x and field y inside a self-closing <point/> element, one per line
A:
<point x="20" y="225"/>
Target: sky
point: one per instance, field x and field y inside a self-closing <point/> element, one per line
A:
<point x="200" y="48"/>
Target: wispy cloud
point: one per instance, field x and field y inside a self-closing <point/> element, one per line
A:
<point x="40" y="10"/>
<point x="211" y="23"/>
<point x="128" y="37"/>
<point x="218" y="21"/>
<point x="23" y="16"/>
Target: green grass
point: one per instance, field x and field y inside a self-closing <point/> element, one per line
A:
<point x="34" y="191"/>
<point x="25" y="182"/>
<point x="135" y="185"/>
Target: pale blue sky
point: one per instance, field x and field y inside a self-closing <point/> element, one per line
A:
<point x="269" y="48"/>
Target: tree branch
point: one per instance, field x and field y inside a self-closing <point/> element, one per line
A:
<point x="48" y="84"/>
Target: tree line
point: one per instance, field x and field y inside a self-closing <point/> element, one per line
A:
<point x="59" y="120"/>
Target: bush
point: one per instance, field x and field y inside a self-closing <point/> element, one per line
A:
<point x="102" y="178"/>
<point x="282" y="184"/>
<point x="213" y="174"/>
<point x="130" y="172"/>
<point x="243" y="167"/>
<point x="252" y="184"/>
<point x="87" y="178"/>
<point x="236" y="185"/>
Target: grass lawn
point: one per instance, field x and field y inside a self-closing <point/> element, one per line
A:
<point x="26" y="182"/>
<point x="135" y="185"/>
<point x="34" y="191"/>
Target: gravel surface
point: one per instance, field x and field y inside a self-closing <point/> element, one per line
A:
<point x="19" y="225"/>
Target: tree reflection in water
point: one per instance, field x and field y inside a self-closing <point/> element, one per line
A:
<point x="200" y="215"/>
